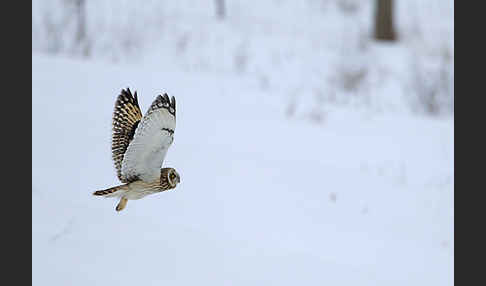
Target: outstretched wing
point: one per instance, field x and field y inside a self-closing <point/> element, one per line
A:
<point x="126" y="117"/>
<point x="154" y="135"/>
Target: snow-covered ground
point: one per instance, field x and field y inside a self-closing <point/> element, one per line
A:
<point x="264" y="199"/>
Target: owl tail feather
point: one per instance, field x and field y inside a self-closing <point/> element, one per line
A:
<point x="108" y="192"/>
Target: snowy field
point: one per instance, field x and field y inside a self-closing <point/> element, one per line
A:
<point x="262" y="200"/>
<point x="309" y="154"/>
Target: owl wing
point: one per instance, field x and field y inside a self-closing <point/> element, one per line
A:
<point x="126" y="117"/>
<point x="153" y="137"/>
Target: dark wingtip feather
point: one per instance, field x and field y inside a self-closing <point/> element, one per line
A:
<point x="163" y="101"/>
<point x="135" y="98"/>
<point x="127" y="96"/>
<point x="173" y="102"/>
<point x="166" y="98"/>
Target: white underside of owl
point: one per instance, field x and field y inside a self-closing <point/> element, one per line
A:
<point x="145" y="154"/>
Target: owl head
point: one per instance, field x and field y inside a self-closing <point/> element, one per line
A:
<point x="169" y="178"/>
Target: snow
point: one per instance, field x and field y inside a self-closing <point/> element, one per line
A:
<point x="306" y="152"/>
<point x="263" y="199"/>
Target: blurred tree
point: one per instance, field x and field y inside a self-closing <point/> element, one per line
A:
<point x="53" y="37"/>
<point x="81" y="39"/>
<point x="384" y="29"/>
<point x="220" y="9"/>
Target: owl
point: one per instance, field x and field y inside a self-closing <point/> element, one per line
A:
<point x="139" y="146"/>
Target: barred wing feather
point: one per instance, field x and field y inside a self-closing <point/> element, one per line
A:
<point x="126" y="117"/>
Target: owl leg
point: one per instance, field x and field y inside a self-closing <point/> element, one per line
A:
<point x="121" y="205"/>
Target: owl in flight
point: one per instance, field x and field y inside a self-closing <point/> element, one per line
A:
<point x="139" y="146"/>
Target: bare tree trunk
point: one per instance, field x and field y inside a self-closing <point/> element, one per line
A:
<point x="384" y="29"/>
<point x="81" y="38"/>
<point x="220" y="9"/>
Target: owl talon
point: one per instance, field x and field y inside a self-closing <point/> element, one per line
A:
<point x="121" y="205"/>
